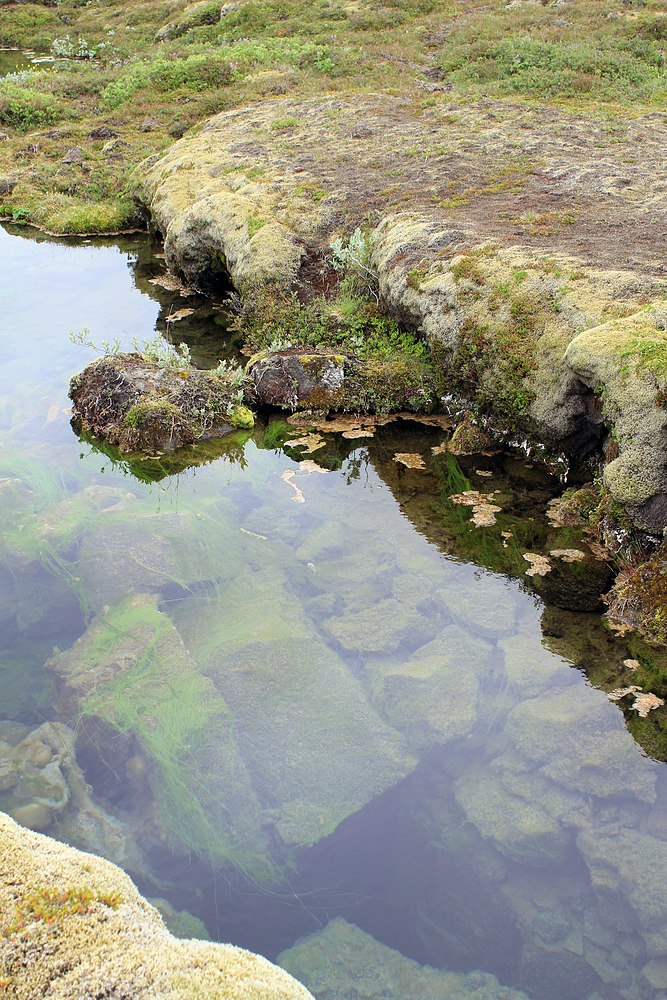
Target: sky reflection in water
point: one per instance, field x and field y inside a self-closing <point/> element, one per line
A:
<point x="471" y="800"/>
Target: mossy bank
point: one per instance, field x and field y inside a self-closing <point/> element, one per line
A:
<point x="74" y="924"/>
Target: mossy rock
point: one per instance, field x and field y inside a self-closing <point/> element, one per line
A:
<point x="625" y="362"/>
<point x="299" y="377"/>
<point x="132" y="673"/>
<point x="640" y="600"/>
<point x="139" y="404"/>
<point x="75" y="924"/>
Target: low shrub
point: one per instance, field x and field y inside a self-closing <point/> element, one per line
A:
<point x="197" y="72"/>
<point x="25" y="108"/>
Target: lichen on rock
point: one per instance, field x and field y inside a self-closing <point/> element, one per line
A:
<point x="75" y="925"/>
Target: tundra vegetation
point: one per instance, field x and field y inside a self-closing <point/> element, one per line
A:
<point x="129" y="78"/>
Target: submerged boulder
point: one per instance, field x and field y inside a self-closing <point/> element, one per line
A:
<point x="342" y="962"/>
<point x="314" y="747"/>
<point x="43" y="788"/>
<point x="75" y="925"/>
<point x="432" y="696"/>
<point x="143" y="404"/>
<point x="131" y="673"/>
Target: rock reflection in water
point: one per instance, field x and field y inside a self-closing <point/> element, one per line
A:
<point x="349" y="698"/>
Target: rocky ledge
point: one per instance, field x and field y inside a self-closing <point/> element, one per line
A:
<point x="75" y="925"/>
<point x="566" y="349"/>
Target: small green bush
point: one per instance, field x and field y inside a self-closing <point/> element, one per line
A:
<point x="522" y="65"/>
<point x="25" y="108"/>
<point x="197" y="72"/>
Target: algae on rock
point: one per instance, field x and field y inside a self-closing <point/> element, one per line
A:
<point x="313" y="747"/>
<point x="342" y="962"/>
<point x="131" y="672"/>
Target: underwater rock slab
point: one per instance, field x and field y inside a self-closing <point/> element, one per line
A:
<point x="342" y="962"/>
<point x="150" y="550"/>
<point x="432" y="697"/>
<point x="131" y="672"/>
<point x="632" y="863"/>
<point x="103" y="939"/>
<point x="531" y="669"/>
<point x="490" y="611"/>
<point x="520" y="828"/>
<point x="180" y="923"/>
<point x="579" y="740"/>
<point x="121" y="542"/>
<point x="314" y="748"/>
<point x="382" y="627"/>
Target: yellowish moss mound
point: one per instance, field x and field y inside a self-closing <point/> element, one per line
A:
<point x="74" y="925"/>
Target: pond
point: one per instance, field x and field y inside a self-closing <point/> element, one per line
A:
<point x="14" y="60"/>
<point x="310" y="705"/>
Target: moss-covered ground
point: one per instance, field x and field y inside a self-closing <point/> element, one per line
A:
<point x="131" y="77"/>
<point x="394" y="370"/>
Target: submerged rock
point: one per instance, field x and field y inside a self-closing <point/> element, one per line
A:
<point x="180" y="923"/>
<point x="491" y="613"/>
<point x="132" y="673"/>
<point x="142" y="404"/>
<point x="432" y="697"/>
<point x="342" y="962"/>
<point x="75" y="925"/>
<point x="313" y="746"/>
<point x="33" y="787"/>
<point x="42" y="787"/>
<point x="381" y="627"/>
<point x="577" y="739"/>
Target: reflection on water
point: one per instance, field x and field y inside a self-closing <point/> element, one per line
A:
<point x="11" y="61"/>
<point x="14" y="61"/>
<point x="336" y="717"/>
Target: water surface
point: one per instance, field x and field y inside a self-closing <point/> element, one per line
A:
<point x="345" y="716"/>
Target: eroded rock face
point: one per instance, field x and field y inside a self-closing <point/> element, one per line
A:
<point x="498" y="319"/>
<point x="298" y="377"/>
<point x="118" y="945"/>
<point x="624" y="361"/>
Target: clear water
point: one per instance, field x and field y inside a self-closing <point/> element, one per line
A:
<point x="320" y="718"/>
<point x="13" y="61"/>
